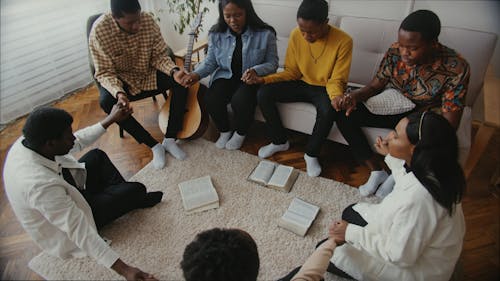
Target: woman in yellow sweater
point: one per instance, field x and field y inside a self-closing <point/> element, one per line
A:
<point x="317" y="64"/>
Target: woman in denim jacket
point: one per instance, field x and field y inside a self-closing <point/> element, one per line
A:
<point x="240" y="46"/>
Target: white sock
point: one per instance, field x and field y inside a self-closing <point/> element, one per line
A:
<point x="172" y="148"/>
<point x="386" y="187"/>
<point x="223" y="138"/>
<point x="270" y="149"/>
<point x="376" y="178"/>
<point x="312" y="165"/>
<point x="158" y="156"/>
<point x="235" y="142"/>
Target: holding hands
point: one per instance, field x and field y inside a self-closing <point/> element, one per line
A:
<point x="180" y="77"/>
<point x="251" y="77"/>
<point x="337" y="231"/>
<point x="189" y="79"/>
<point x="345" y="102"/>
<point x="120" y="111"/>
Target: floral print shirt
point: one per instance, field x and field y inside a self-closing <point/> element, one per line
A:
<point x="441" y="82"/>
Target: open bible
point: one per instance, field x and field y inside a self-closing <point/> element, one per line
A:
<point x="299" y="216"/>
<point x="274" y="175"/>
<point x="198" y="195"/>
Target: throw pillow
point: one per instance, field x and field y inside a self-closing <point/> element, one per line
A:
<point x="389" y="102"/>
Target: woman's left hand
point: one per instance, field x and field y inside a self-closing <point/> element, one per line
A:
<point x="250" y="77"/>
<point x="337" y="231"/>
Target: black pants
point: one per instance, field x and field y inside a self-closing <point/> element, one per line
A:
<point x="350" y="127"/>
<point x="132" y="126"/>
<point x="107" y="193"/>
<point x="297" y="91"/>
<point x="349" y="215"/>
<point x="243" y="99"/>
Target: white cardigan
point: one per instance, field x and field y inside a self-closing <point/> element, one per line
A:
<point x="53" y="212"/>
<point x="409" y="236"/>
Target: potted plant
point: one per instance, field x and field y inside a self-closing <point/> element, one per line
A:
<point x="187" y="11"/>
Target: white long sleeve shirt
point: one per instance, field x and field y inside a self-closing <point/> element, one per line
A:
<point x="409" y="236"/>
<point x="53" y="212"/>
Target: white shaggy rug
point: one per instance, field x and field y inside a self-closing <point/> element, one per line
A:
<point x="154" y="239"/>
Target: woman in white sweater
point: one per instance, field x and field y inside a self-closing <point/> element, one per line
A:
<point x="416" y="232"/>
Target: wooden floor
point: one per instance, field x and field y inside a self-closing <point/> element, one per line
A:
<point x="481" y="204"/>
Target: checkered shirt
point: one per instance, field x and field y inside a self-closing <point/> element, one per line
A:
<point x="132" y="59"/>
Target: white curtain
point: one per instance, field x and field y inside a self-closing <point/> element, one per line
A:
<point x="43" y="52"/>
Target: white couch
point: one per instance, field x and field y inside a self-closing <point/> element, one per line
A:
<point x="371" y="38"/>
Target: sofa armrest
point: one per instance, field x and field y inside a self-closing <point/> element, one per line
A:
<point x="488" y="127"/>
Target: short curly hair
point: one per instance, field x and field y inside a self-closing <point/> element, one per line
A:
<point x="425" y="22"/>
<point x="44" y="124"/>
<point x="221" y="254"/>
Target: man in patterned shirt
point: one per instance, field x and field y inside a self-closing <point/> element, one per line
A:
<point x="131" y="61"/>
<point x="430" y="74"/>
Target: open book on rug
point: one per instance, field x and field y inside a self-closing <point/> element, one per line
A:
<point x="299" y="216"/>
<point x="274" y="175"/>
<point x="198" y="195"/>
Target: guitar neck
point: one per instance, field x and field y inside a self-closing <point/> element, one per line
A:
<point x="189" y="51"/>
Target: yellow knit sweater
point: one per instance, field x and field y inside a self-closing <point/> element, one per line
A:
<point x="332" y="54"/>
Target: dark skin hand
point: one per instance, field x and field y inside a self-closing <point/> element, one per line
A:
<point x="131" y="273"/>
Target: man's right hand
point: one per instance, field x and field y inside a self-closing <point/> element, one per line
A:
<point x="122" y="99"/>
<point x="118" y="113"/>
<point x="190" y="79"/>
<point x="131" y="273"/>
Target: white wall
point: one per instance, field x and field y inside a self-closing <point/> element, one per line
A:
<point x="474" y="14"/>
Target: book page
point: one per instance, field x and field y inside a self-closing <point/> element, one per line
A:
<point x="295" y="223"/>
<point x="197" y="193"/>
<point x="262" y="173"/>
<point x="304" y="209"/>
<point x="204" y="208"/>
<point x="280" y="176"/>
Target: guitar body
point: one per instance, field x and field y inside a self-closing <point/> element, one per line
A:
<point x="195" y="117"/>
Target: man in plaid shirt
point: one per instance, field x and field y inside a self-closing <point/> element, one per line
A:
<point x="131" y="62"/>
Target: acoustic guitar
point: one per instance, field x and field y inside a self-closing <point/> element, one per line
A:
<point x="195" y="117"/>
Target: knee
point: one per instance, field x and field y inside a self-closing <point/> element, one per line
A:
<point x="94" y="155"/>
<point x="211" y="99"/>
<point x="243" y="101"/>
<point x="98" y="153"/>
<point x="326" y="112"/>
<point x="264" y="95"/>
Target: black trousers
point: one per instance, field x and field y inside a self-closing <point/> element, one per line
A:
<point x="243" y="99"/>
<point x="297" y="91"/>
<point x="107" y="192"/>
<point x="349" y="215"/>
<point x="132" y="126"/>
<point x="350" y="127"/>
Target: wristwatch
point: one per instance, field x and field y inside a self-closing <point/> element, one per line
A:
<point x="174" y="70"/>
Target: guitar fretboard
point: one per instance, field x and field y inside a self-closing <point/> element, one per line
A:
<point x="189" y="51"/>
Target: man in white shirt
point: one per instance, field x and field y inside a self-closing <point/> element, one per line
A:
<point x="61" y="202"/>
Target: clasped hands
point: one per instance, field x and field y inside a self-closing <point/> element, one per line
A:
<point x="337" y="230"/>
<point x="345" y="102"/>
<point x="186" y="79"/>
